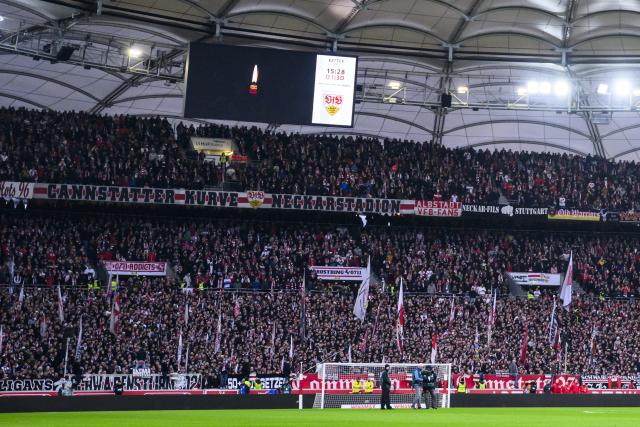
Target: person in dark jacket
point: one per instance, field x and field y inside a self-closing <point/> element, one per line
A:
<point x="385" y="385"/>
<point x="429" y="380"/>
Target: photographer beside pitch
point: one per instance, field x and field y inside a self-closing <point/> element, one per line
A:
<point x="429" y="379"/>
<point x="418" y="384"/>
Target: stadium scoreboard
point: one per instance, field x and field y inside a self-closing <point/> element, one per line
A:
<point x="269" y="86"/>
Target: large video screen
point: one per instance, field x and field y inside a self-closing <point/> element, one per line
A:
<point x="269" y="86"/>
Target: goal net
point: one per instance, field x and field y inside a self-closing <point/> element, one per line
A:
<point x="357" y="385"/>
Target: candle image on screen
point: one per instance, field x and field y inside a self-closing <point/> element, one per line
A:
<point x="253" y="87"/>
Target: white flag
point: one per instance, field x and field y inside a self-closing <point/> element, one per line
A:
<point x="43" y="325"/>
<point x="492" y="318"/>
<point x="400" y="324"/>
<point x="114" y="322"/>
<point x="1" y="338"/>
<point x="565" y="293"/>
<point x="291" y="349"/>
<point x="60" y="306"/>
<point x="180" y="350"/>
<point x="186" y="363"/>
<point x="553" y="326"/>
<point x="79" y="343"/>
<point x="186" y="312"/>
<point x="360" y="306"/>
<point x="218" y="332"/>
<point x="349" y="354"/>
<point x="434" y="348"/>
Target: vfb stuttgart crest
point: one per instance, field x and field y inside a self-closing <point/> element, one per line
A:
<point x="332" y="103"/>
<point x="255" y="198"/>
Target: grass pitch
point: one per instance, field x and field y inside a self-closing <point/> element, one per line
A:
<point x="489" y="417"/>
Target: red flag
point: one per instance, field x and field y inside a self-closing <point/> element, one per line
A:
<point x="60" y="306"/>
<point x="452" y="314"/>
<point x="400" y="326"/>
<point x="363" y="342"/>
<point x="434" y="348"/>
<point x="114" y="324"/>
<point x="236" y="309"/>
<point x="565" y="292"/>
<point x="523" y="347"/>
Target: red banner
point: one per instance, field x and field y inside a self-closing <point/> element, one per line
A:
<point x="506" y="382"/>
<point x="437" y="208"/>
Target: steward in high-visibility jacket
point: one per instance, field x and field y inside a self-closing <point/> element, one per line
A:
<point x="114" y="285"/>
<point x="462" y="386"/>
<point x="482" y="385"/>
<point x="355" y="387"/>
<point x="368" y="386"/>
<point x="257" y="385"/>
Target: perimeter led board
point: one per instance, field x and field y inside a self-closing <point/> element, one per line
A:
<point x="269" y="86"/>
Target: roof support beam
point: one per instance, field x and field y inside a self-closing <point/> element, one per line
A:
<point x="51" y="80"/>
<point x="124" y="86"/>
<point x="624" y="153"/>
<point x="517" y="121"/>
<point x="524" y="141"/>
<point x="594" y="132"/>
<point x="226" y="8"/>
<point x="141" y="97"/>
<point x="395" y="119"/>
<point x="25" y="100"/>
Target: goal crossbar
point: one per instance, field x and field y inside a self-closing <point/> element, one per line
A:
<point x="357" y="385"/>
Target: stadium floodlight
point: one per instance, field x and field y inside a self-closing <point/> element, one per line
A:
<point x="622" y="88"/>
<point x="533" y="87"/>
<point x="603" y="89"/>
<point x="521" y="91"/>
<point x="636" y="92"/>
<point x="134" y="52"/>
<point x="561" y="88"/>
<point x="395" y="85"/>
<point x="462" y="90"/>
<point x="1" y="18"/>
<point x="545" y="88"/>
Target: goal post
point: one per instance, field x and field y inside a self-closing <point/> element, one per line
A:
<point x="357" y="385"/>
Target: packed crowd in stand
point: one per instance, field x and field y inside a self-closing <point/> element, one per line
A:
<point x="256" y="330"/>
<point x="49" y="146"/>
<point x="38" y="249"/>
<point x="250" y="275"/>
<point x="240" y="293"/>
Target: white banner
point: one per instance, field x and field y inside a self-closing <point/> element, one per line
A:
<point x="212" y="145"/>
<point x="536" y="279"/>
<point x="16" y="190"/>
<point x="355" y="274"/>
<point x="135" y="268"/>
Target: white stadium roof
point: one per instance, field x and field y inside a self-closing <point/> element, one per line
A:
<point x="507" y="58"/>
